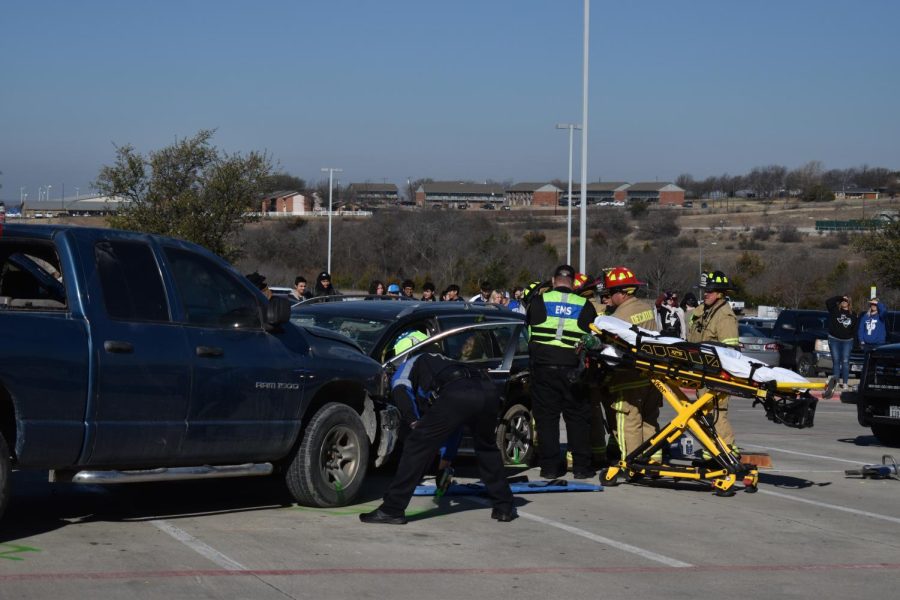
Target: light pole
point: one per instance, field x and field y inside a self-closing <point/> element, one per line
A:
<point x="571" y="127"/>
<point x="701" y="261"/>
<point x="331" y="171"/>
<point x="582" y="254"/>
<point x="48" y="192"/>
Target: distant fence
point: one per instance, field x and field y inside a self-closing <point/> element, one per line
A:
<point x="315" y="213"/>
<point x="851" y="225"/>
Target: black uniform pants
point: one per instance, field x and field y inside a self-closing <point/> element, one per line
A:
<point x="552" y="394"/>
<point x="473" y="402"/>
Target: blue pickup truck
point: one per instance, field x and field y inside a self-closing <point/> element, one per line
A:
<point x="134" y="357"/>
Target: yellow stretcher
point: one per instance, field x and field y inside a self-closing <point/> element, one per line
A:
<point x="671" y="366"/>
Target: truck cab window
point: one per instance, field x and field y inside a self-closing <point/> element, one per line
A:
<point x="30" y="278"/>
<point x="211" y="295"/>
<point x="131" y="282"/>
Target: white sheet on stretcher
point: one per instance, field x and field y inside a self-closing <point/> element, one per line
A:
<point x="732" y="361"/>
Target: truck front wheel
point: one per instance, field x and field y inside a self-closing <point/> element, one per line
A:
<point x="889" y="435"/>
<point x="331" y="460"/>
<point x="4" y="474"/>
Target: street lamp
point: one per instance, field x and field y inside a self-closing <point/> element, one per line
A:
<point x="571" y="127"/>
<point x="331" y="171"/>
<point x="582" y="254"/>
<point x="701" y="260"/>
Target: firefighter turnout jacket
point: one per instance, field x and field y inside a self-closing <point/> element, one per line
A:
<point x="716" y="323"/>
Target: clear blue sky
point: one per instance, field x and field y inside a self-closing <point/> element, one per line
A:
<point x="468" y="89"/>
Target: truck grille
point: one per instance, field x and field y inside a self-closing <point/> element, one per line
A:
<point x="883" y="374"/>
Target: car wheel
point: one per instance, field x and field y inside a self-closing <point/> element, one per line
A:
<point x="331" y="460"/>
<point x="515" y="436"/>
<point x="889" y="435"/>
<point x="4" y="474"/>
<point x="806" y="364"/>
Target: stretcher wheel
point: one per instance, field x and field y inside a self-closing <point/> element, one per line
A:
<point x="609" y="482"/>
<point x="725" y="493"/>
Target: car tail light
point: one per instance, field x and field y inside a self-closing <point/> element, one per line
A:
<point x="821" y="346"/>
<point x="773" y="346"/>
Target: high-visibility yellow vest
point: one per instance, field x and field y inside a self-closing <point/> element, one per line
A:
<point x="560" y="328"/>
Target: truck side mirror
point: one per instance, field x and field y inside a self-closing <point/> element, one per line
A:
<point x="278" y="311"/>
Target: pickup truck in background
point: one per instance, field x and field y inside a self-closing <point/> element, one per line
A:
<point x="802" y="336"/>
<point x="877" y="398"/>
<point x="737" y="306"/>
<point x="133" y="357"/>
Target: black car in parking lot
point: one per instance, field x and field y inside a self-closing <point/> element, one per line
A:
<point x="377" y="324"/>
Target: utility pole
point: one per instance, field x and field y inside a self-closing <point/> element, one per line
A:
<point x="331" y="171"/>
<point x="582" y="254"/>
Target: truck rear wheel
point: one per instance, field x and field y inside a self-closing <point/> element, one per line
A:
<point x="331" y="460"/>
<point x="889" y="435"/>
<point x="4" y="474"/>
<point x="806" y="364"/>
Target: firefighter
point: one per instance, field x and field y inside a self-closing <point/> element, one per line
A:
<point x="714" y="321"/>
<point x="557" y="319"/>
<point x="633" y="402"/>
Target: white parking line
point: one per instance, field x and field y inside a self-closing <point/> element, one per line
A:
<point x="847" y="509"/>
<point x="852" y="462"/>
<point x="670" y="562"/>
<point x="197" y="546"/>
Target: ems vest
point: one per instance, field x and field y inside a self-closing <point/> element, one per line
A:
<point x="560" y="328"/>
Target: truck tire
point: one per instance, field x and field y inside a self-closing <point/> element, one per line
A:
<point x="806" y="364"/>
<point x="515" y="436"/>
<point x="5" y="470"/>
<point x="889" y="435"/>
<point x="331" y="460"/>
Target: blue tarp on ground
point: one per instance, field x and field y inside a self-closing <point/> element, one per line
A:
<point x="528" y="487"/>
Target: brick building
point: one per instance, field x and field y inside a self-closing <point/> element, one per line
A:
<point x="533" y="194"/>
<point x="286" y="202"/>
<point x="656" y="192"/>
<point x="374" y="194"/>
<point x="454" y="194"/>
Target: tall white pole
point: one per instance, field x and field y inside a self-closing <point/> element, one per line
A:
<point x="582" y="255"/>
<point x="330" y="211"/>
<point x="331" y="172"/>
<point x="569" y="237"/>
<point x="571" y="127"/>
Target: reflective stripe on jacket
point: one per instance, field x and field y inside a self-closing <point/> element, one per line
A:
<point x="560" y="328"/>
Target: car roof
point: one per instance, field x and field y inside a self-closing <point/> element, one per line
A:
<point x="390" y="310"/>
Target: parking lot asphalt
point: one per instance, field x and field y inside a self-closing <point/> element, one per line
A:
<point x="809" y="531"/>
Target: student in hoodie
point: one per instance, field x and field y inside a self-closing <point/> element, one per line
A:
<point x="872" y="330"/>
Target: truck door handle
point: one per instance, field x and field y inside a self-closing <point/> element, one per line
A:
<point x="210" y="351"/>
<point x="117" y="347"/>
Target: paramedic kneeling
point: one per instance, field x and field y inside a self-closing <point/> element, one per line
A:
<point x="448" y="395"/>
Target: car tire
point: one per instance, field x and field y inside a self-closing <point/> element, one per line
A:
<point x="806" y="364"/>
<point x="889" y="435"/>
<point x="515" y="436"/>
<point x="5" y="470"/>
<point x="330" y="463"/>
